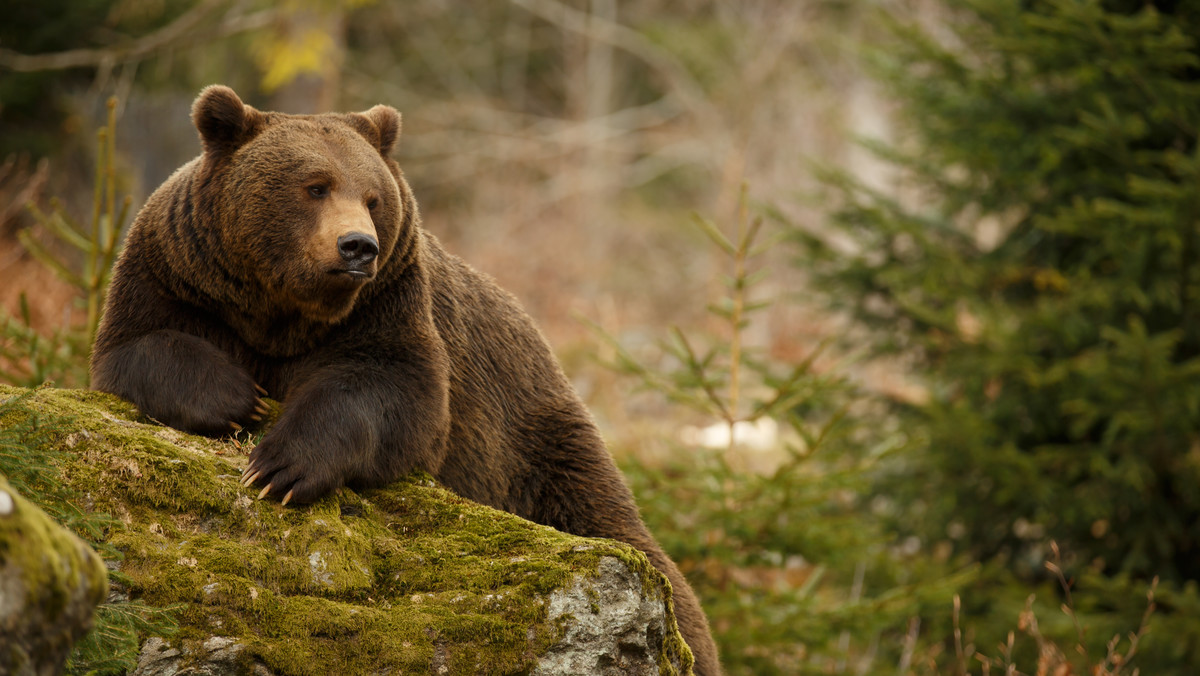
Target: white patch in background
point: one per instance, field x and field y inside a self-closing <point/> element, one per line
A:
<point x="759" y="435"/>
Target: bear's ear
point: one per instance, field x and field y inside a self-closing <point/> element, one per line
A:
<point x="224" y="122"/>
<point x="384" y="127"/>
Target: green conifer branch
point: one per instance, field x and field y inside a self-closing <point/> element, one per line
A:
<point x="64" y="355"/>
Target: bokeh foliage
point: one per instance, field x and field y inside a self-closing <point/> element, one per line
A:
<point x="795" y="572"/>
<point x="30" y="357"/>
<point x="1038" y="267"/>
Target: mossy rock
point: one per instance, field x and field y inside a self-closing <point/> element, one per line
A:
<point x="50" y="584"/>
<point x="406" y="579"/>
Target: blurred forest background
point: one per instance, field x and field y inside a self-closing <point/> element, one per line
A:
<point x="887" y="308"/>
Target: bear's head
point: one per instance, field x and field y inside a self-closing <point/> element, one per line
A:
<point x="305" y="209"/>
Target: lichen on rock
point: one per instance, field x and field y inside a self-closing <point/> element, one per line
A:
<point x="614" y="629"/>
<point x="406" y="579"/>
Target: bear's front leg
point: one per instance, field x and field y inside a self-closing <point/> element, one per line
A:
<point x="180" y="380"/>
<point x="349" y="424"/>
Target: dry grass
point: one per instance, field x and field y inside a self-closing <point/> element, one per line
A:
<point x="1054" y="658"/>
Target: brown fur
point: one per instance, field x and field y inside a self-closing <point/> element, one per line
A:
<point x="231" y="278"/>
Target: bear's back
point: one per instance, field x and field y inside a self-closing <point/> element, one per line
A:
<point x="503" y="377"/>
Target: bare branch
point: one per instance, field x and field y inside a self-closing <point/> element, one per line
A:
<point x="596" y="28"/>
<point x="182" y="32"/>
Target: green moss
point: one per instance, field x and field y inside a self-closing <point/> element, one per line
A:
<point x="381" y="580"/>
<point x="45" y="565"/>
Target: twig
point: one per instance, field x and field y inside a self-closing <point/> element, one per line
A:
<point x="629" y="40"/>
<point x="697" y="369"/>
<point x="1068" y="607"/>
<point x="910" y="644"/>
<point x="960" y="662"/>
<point x="182" y="32"/>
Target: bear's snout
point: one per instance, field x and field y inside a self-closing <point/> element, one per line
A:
<point x="357" y="249"/>
<point x="346" y="243"/>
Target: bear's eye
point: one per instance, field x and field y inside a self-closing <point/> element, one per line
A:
<point x="372" y="203"/>
<point x="318" y="190"/>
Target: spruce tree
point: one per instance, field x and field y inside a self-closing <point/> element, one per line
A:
<point x="1037" y="267"/>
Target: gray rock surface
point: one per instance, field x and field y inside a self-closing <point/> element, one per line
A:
<point x="611" y="626"/>
<point x="216" y="656"/>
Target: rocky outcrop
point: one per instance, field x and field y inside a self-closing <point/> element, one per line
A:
<point x="611" y="625"/>
<point x="407" y="579"/>
<point x="50" y="583"/>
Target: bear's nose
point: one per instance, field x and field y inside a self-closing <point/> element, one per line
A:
<point x="358" y="248"/>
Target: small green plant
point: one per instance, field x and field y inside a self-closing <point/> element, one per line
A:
<point x="713" y="379"/>
<point x="114" y="643"/>
<point x="27" y="357"/>
<point x="791" y="567"/>
<point x="30" y="358"/>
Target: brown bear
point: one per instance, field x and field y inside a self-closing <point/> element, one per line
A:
<point x="289" y="258"/>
